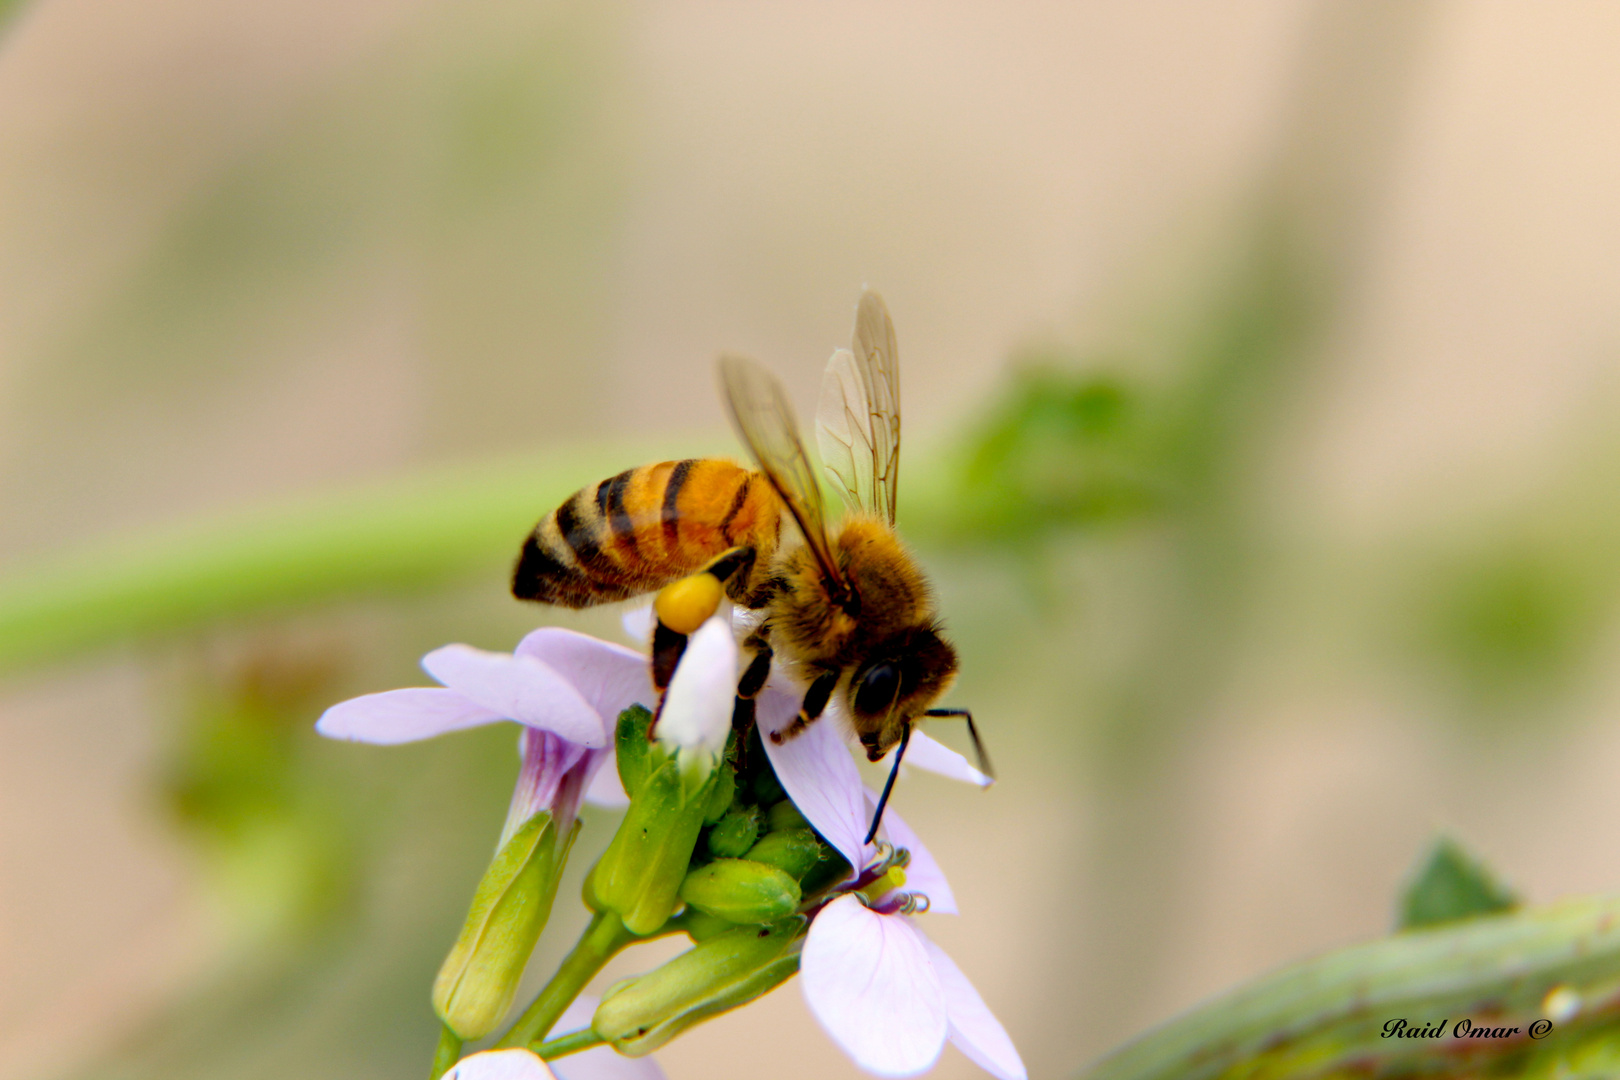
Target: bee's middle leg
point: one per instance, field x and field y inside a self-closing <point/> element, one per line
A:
<point x="748" y="688"/>
<point x="815" y="703"/>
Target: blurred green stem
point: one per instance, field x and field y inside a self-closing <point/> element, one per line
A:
<point x="571" y="1043"/>
<point x="396" y="537"/>
<point x="600" y="942"/>
<point x="448" y="1053"/>
<point x="1327" y="1017"/>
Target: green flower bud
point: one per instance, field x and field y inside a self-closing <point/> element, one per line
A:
<point x="793" y="851"/>
<point x="480" y="977"/>
<point x="741" y="891"/>
<point x="632" y="749"/>
<point x="640" y="873"/>
<point x="735" y="833"/>
<point x="701" y="926"/>
<point x="729" y="970"/>
<point x="784" y="815"/>
<point x="725" y="789"/>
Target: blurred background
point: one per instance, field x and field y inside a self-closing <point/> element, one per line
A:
<point x="1261" y="395"/>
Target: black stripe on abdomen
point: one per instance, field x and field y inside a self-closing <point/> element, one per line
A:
<point x="538" y="574"/>
<point x="736" y="507"/>
<point x="618" y="521"/>
<point x="670" y="517"/>
<point x="580" y="536"/>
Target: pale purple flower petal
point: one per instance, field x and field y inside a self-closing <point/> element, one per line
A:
<point x="638" y="623"/>
<point x="923" y="874"/>
<point x="973" y="1027"/>
<point x="598" y="1063"/>
<point x="818" y="774"/>
<point x="698" y="703"/>
<point x="869" y="981"/>
<point x="611" y="677"/>
<point x="928" y="753"/>
<point x="605" y="790"/>
<point x="401" y="716"/>
<point x="514" y="1064"/>
<point x="552" y="776"/>
<point x="519" y="688"/>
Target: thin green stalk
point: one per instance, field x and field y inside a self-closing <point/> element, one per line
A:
<point x="448" y="1053"/>
<point x="571" y="1043"/>
<point x="600" y="942"/>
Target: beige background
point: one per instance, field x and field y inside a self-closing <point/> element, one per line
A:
<point x="252" y="250"/>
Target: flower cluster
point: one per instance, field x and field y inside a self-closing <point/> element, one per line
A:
<point x="753" y="850"/>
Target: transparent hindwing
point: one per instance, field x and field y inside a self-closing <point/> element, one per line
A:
<point x="858" y="419"/>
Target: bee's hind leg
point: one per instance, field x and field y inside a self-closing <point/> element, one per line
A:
<point x="682" y="606"/>
<point x="815" y="702"/>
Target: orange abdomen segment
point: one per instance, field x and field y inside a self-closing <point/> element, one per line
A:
<point x="638" y="531"/>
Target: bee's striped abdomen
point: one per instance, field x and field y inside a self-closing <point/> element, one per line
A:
<point x="638" y="531"/>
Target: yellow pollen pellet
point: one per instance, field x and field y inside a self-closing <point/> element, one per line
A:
<point x="684" y="605"/>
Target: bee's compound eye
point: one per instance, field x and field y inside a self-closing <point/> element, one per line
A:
<point x="877" y="689"/>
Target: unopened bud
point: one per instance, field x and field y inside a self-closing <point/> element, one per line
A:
<point x="640" y="873"/>
<point x="632" y="748"/>
<point x="740" y="891"/>
<point x="793" y="851"/>
<point x="701" y="926"/>
<point x="728" y="970"/>
<point x="735" y="833"/>
<point x="784" y="815"/>
<point x="480" y="977"/>
<point x="725" y="790"/>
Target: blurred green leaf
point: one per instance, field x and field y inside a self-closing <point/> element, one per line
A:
<point x="1325" y="1018"/>
<point x="1062" y="448"/>
<point x="1452" y="885"/>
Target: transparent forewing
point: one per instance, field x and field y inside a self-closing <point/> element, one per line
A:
<point x="765" y="422"/>
<point x="858" y="420"/>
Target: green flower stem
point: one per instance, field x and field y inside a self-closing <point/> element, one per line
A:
<point x="1326" y="1017"/>
<point x="448" y="1053"/>
<point x="571" y="1043"/>
<point x="602" y="940"/>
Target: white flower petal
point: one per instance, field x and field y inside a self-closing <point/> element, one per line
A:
<point x="514" y="1064"/>
<point x="923" y="875"/>
<point x="869" y="981"/>
<point x="933" y="755"/>
<point x="602" y="1062"/>
<point x="698" y="703"/>
<point x="401" y="716"/>
<point x="610" y="677"/>
<point x="519" y="688"/>
<point x="605" y="789"/>
<point x="973" y="1027"/>
<point x="818" y="774"/>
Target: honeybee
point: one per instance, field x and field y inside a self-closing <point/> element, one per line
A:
<point x="847" y="610"/>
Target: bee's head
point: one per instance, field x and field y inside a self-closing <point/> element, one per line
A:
<point x="906" y="675"/>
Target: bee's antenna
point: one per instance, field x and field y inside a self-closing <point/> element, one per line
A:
<point x="973" y="733"/>
<point x="883" y="799"/>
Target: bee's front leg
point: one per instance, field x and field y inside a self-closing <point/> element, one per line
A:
<point x="815" y="702"/>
